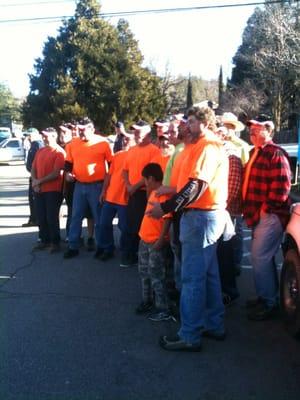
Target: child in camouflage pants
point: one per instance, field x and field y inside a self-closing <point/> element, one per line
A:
<point x="152" y="252"/>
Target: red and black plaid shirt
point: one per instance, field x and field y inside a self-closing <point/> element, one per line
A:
<point x="269" y="185"/>
<point x="234" y="200"/>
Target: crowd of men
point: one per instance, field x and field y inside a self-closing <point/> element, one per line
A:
<point x="180" y="197"/>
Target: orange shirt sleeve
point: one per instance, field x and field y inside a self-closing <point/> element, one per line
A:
<point x="202" y="164"/>
<point x="116" y="191"/>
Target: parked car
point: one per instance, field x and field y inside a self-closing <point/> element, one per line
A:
<point x="5" y="133"/>
<point x="290" y="274"/>
<point x="11" y="150"/>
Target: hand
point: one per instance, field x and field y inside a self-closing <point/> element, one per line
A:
<point x="70" y="177"/>
<point x="101" y="197"/>
<point x="36" y="188"/>
<point x="155" y="212"/>
<point x="130" y="189"/>
<point x="262" y="213"/>
<point x="158" y="244"/>
<point x="35" y="182"/>
<point x="163" y="190"/>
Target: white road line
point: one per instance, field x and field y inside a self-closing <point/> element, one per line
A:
<point x="5" y="277"/>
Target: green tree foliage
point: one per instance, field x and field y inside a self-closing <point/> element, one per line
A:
<point x="268" y="60"/>
<point x="9" y="106"/>
<point x="175" y="89"/>
<point x="92" y="68"/>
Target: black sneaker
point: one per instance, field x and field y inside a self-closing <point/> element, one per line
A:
<point x="54" y="248"/>
<point x="175" y="343"/>
<point x="98" y="253"/>
<point x="90" y="244"/>
<point x="214" y="335"/>
<point x="41" y="246"/>
<point x="174" y="295"/>
<point x="29" y="224"/>
<point x="144" y="308"/>
<point x="163" y="315"/>
<point x="127" y="261"/>
<point x="252" y="303"/>
<point x="107" y="255"/>
<point x="134" y="259"/>
<point x="263" y="312"/>
<point x="229" y="300"/>
<point x="70" y="253"/>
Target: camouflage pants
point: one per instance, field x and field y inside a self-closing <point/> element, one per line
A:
<point x="152" y="273"/>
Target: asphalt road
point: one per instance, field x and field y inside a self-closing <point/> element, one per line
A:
<point x="68" y="330"/>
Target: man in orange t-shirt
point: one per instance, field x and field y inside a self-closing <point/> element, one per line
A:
<point x="201" y="193"/>
<point x="166" y="151"/>
<point x="152" y="253"/>
<point x="137" y="157"/>
<point x="115" y="198"/>
<point x="46" y="175"/>
<point x="86" y="163"/>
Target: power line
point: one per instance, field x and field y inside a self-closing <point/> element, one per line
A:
<point x="149" y="11"/>
<point x="33" y="3"/>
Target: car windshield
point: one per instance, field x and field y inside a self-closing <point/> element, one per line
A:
<point x="3" y="144"/>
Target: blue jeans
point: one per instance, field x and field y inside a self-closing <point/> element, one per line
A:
<point x="47" y="208"/>
<point x="105" y="240"/>
<point x="266" y="239"/>
<point x="201" y="305"/>
<point x="84" y="194"/>
<point x="176" y="249"/>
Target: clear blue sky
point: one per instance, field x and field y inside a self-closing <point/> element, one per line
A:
<point x="195" y="42"/>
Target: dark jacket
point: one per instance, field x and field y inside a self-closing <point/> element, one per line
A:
<point x="35" y="146"/>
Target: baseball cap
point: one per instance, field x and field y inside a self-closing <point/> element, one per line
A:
<point x="49" y="131"/>
<point x="66" y="127"/>
<point x="142" y="126"/>
<point x="85" y="122"/>
<point x="262" y="120"/>
<point x="119" y="124"/>
<point x="162" y="122"/>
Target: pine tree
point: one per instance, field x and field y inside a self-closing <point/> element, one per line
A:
<point x="189" y="96"/>
<point x="221" y="89"/>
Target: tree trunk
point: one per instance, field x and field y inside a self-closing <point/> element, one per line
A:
<point x="277" y="107"/>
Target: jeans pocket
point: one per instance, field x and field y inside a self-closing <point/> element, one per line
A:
<point x="214" y="229"/>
